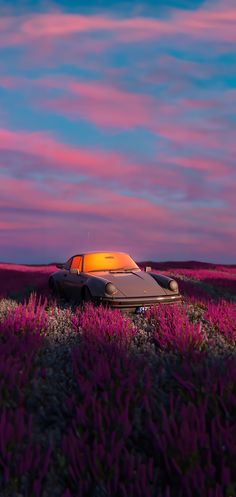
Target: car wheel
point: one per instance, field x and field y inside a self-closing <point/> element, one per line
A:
<point x="51" y="284"/>
<point x="86" y="296"/>
<point x="61" y="293"/>
<point x="54" y="287"/>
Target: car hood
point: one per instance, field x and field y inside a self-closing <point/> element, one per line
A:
<point x="134" y="284"/>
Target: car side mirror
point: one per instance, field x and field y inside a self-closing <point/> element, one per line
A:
<point x="148" y="268"/>
<point x="60" y="266"/>
<point x="74" y="270"/>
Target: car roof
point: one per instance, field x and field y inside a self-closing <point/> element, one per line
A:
<point x="98" y="252"/>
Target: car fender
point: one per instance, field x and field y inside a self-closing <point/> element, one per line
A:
<point x="53" y="279"/>
<point x="96" y="285"/>
<point x="161" y="279"/>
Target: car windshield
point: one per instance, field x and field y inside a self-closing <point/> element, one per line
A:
<point x="108" y="261"/>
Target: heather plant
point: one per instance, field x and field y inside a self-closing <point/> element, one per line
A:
<point x="104" y="324"/>
<point x="97" y="447"/>
<point x="192" y="291"/>
<point x="29" y="317"/>
<point x="21" y="336"/>
<point x="224" y="280"/>
<point x="62" y="321"/>
<point x="210" y="378"/>
<point x="15" y="370"/>
<point x="161" y="436"/>
<point x="192" y="436"/>
<point x="195" y="455"/>
<point x="6" y="306"/>
<point x="221" y="319"/>
<point x="20" y="458"/>
<point x="18" y="281"/>
<point x="195" y="310"/>
<point x="172" y="330"/>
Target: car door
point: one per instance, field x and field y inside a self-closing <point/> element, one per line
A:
<point x="64" y="278"/>
<point x="73" y="279"/>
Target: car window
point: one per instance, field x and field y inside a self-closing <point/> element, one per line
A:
<point x="68" y="263"/>
<point x="76" y="262"/>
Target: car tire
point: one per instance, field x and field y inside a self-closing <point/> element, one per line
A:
<point x="52" y="287"/>
<point x="61" y="293"/>
<point x="55" y="289"/>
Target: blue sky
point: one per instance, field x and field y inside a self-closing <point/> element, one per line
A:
<point x="117" y="129"/>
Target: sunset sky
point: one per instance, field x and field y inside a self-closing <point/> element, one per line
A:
<point x="118" y="129"/>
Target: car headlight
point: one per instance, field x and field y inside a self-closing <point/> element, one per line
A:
<point x="173" y="285"/>
<point x="110" y="289"/>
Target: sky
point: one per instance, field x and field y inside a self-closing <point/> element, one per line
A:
<point x="118" y="129"/>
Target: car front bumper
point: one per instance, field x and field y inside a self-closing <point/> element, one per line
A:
<point x="131" y="304"/>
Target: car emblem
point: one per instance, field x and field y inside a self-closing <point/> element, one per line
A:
<point x="144" y="291"/>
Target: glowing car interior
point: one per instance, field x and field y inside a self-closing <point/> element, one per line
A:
<point x="108" y="261"/>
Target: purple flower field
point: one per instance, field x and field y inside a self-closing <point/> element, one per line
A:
<point x="97" y="403"/>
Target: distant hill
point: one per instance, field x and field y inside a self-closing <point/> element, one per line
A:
<point x="184" y="265"/>
<point x="154" y="264"/>
<point x="30" y="265"/>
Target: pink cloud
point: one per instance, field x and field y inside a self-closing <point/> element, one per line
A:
<point x="160" y="179"/>
<point x="109" y="105"/>
<point x="112" y="106"/>
<point x="56" y="158"/>
<point x="108" y="212"/>
<point x="27" y="194"/>
<point x="51" y="52"/>
<point x="212" y="167"/>
<point x="8" y="82"/>
<point x="103" y="104"/>
<point x="12" y="225"/>
<point x="188" y="134"/>
<point x="213" y="21"/>
<point x="167" y="68"/>
<point x="61" y="157"/>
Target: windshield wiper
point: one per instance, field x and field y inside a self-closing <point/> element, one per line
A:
<point x="118" y="270"/>
<point x="115" y="270"/>
<point x="123" y="269"/>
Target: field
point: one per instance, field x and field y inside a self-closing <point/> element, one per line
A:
<point x="96" y="403"/>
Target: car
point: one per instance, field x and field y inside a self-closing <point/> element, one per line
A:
<point x="112" y="279"/>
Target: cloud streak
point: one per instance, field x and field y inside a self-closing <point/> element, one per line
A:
<point x="111" y="106"/>
<point x="201" y="23"/>
<point x="130" y="222"/>
<point x="59" y="156"/>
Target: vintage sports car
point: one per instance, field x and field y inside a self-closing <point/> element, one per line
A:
<point x="113" y="279"/>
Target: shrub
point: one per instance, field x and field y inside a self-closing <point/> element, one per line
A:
<point x="105" y="324"/>
<point x="192" y="437"/>
<point x="222" y="318"/>
<point x="19" y="456"/>
<point x="97" y="445"/>
<point x="172" y="330"/>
